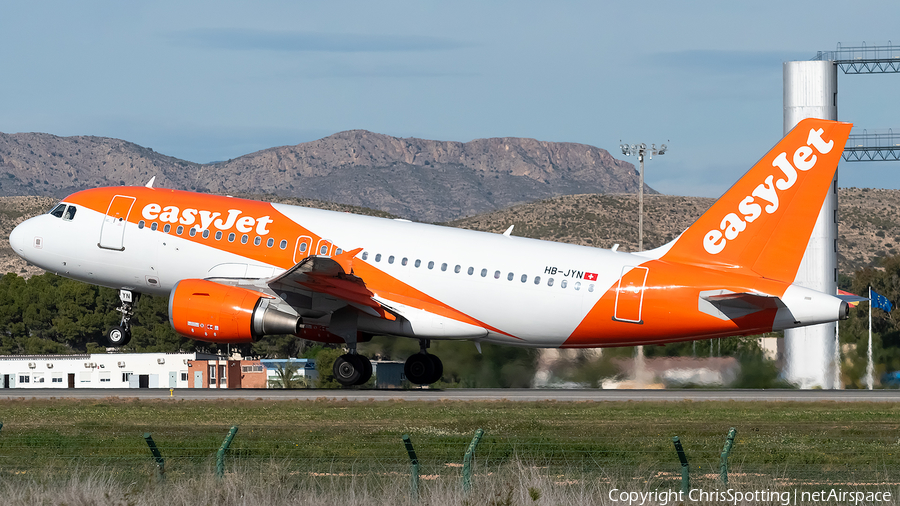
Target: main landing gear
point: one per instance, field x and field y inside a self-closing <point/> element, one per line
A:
<point x="352" y="369"/>
<point x="120" y="335"/>
<point x="423" y="368"/>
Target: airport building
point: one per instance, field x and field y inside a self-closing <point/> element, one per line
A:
<point x="130" y="370"/>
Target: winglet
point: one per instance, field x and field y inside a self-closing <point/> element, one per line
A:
<point x="345" y="260"/>
<point x="150" y="183"/>
<point x="763" y="223"/>
<point x="508" y="231"/>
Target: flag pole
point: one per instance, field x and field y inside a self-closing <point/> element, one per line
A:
<point x="836" y="365"/>
<point x="870" y="368"/>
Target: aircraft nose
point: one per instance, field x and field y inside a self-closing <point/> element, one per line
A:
<point x="17" y="238"/>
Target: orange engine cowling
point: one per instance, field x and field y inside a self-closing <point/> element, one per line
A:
<point x="217" y="313"/>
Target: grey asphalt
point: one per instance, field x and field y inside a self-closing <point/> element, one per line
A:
<point x="514" y="395"/>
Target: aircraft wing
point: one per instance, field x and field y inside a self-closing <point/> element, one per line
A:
<point x="334" y="277"/>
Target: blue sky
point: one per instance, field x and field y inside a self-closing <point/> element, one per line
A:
<point x="213" y="80"/>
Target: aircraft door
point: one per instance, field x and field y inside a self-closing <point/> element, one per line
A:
<point x="630" y="294"/>
<point x="112" y="231"/>
<point x="301" y="251"/>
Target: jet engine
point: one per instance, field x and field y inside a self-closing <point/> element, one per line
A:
<point x="217" y="313"/>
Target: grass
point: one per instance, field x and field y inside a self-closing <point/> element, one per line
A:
<point x="554" y="447"/>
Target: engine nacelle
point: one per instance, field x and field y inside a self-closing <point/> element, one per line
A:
<point x="217" y="313"/>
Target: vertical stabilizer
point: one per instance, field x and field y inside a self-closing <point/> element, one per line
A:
<point x="764" y="221"/>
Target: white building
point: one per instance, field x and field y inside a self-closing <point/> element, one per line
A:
<point x="98" y="370"/>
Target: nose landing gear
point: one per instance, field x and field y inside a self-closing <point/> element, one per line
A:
<point x="120" y="335"/>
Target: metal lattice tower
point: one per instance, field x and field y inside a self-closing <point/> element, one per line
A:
<point x="873" y="147"/>
<point x="864" y="59"/>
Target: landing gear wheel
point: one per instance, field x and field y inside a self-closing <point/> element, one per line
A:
<point x="438" y="368"/>
<point x="420" y="369"/>
<point x="117" y="337"/>
<point x="348" y="369"/>
<point x="366" y="373"/>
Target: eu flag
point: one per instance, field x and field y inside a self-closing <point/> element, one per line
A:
<point x="881" y="302"/>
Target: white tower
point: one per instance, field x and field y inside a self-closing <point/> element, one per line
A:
<point x="810" y="91"/>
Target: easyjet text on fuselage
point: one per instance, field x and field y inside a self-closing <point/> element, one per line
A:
<point x="188" y="216"/>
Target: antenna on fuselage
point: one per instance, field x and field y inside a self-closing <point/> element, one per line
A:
<point x="508" y="231"/>
<point x="150" y="183"/>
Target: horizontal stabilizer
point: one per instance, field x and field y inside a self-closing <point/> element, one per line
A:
<point x="852" y="299"/>
<point x="727" y="305"/>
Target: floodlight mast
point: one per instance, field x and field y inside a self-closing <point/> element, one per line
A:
<point x="640" y="150"/>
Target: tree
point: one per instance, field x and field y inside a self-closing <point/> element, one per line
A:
<point x="288" y="377"/>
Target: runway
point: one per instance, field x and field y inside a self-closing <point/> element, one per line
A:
<point x="427" y="395"/>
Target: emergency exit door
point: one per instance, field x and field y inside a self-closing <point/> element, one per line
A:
<point x="112" y="231"/>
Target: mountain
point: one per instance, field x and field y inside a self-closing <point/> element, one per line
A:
<point x="419" y="179"/>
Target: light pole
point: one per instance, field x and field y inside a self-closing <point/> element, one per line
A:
<point x="640" y="150"/>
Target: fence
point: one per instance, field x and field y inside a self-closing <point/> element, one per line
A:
<point x="806" y="455"/>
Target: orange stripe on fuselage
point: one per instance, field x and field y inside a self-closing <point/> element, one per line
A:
<point x="280" y="228"/>
<point x="670" y="309"/>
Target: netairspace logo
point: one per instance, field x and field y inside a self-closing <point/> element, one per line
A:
<point x="732" y="496"/>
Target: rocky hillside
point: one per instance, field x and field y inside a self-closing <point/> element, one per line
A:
<point x="869" y="228"/>
<point x="413" y="178"/>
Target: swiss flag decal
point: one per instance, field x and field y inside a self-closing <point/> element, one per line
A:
<point x="590" y="276"/>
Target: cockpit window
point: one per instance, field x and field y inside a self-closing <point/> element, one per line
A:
<point x="58" y="210"/>
<point x="70" y="213"/>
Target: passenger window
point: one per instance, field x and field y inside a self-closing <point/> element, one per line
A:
<point x="230" y="236"/>
<point x="338" y="251"/>
<point x="270" y="242"/>
<point x="219" y="235"/>
<point x="457" y="269"/>
<point x="365" y="255"/>
<point x="154" y="226"/>
<point x="58" y="210"/>
<point x="524" y="277"/>
<point x="537" y="280"/>
<point x="378" y="257"/>
<point x="192" y="232"/>
<point x="430" y="265"/>
<point x="179" y="230"/>
<point x="70" y="213"/>
<point x="510" y="276"/>
<point x="303" y="247"/>
<point x="323" y="250"/>
<point x="140" y="224"/>
<point x="562" y="284"/>
<point x="244" y="239"/>
<point x="404" y="261"/>
<point x="550" y="282"/>
<point x="483" y="272"/>
<point x="496" y="274"/>
<point x="418" y="263"/>
<point x="206" y="234"/>
<point x="282" y="244"/>
<point x="578" y="285"/>
<point x="391" y="259"/>
<point x="471" y="270"/>
<point x="591" y="287"/>
<point x="167" y="228"/>
<point x="257" y="241"/>
<point x="443" y="267"/>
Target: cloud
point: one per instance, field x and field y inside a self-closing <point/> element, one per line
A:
<point x="236" y="39"/>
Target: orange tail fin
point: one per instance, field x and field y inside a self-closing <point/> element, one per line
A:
<point x="764" y="222"/>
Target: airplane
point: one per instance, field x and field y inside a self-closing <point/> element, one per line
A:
<point x="236" y="270"/>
